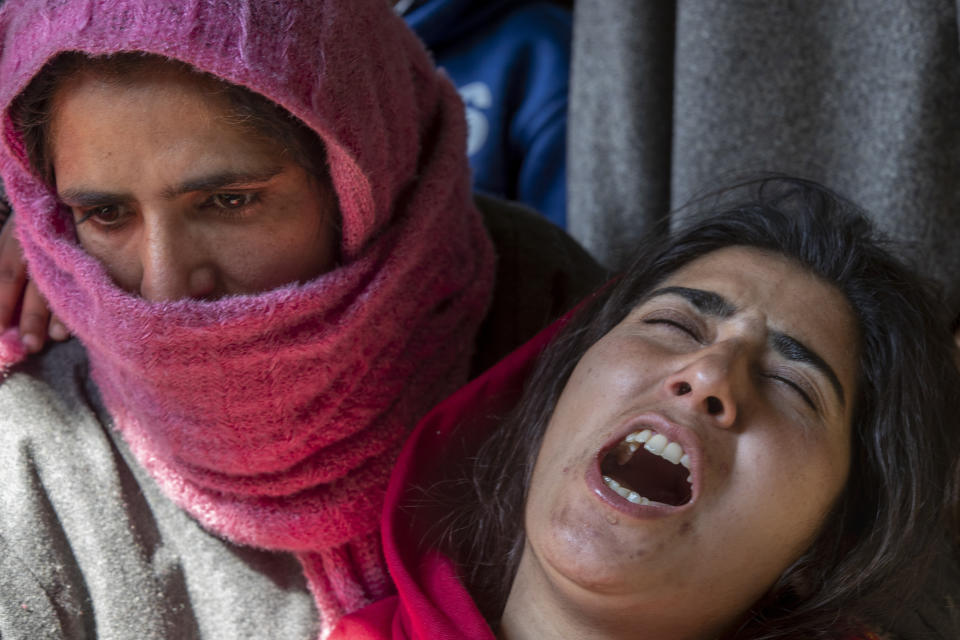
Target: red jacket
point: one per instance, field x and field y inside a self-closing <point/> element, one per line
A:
<point x="431" y="603"/>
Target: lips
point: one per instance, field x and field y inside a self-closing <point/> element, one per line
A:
<point x="648" y="466"/>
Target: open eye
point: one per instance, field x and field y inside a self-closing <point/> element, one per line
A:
<point x="109" y="215"/>
<point x="231" y="200"/>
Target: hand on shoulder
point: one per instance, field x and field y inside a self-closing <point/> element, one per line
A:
<point x="20" y="296"/>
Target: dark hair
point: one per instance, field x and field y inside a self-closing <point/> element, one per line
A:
<point x="900" y="503"/>
<point x="31" y="110"/>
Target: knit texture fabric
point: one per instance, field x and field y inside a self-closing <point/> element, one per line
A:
<point x="274" y="419"/>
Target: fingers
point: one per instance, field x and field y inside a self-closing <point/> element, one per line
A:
<point x="58" y="331"/>
<point x="35" y="321"/>
<point x="13" y="274"/>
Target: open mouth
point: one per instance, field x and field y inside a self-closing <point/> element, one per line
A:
<point x="646" y="467"/>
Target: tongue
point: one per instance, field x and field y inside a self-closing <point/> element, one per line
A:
<point x="649" y="475"/>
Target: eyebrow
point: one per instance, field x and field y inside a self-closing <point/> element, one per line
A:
<point x="792" y="349"/>
<point x="216" y="181"/>
<point x="713" y="304"/>
<point x="82" y="197"/>
<point x="708" y="302"/>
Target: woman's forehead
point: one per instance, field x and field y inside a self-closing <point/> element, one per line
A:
<point x="751" y="277"/>
<point x="162" y="115"/>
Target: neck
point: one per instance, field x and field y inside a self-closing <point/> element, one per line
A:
<point x="543" y="607"/>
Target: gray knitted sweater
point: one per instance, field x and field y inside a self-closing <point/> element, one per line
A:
<point x="90" y="548"/>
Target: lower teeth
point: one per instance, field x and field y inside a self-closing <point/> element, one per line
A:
<point x="632" y="496"/>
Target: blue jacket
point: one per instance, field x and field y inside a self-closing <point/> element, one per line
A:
<point x="510" y="60"/>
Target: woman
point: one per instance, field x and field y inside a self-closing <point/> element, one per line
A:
<point x="256" y="219"/>
<point x="749" y="435"/>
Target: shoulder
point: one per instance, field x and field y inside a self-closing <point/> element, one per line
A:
<point x="541" y="274"/>
<point x="528" y="239"/>
<point x="46" y="408"/>
<point x="52" y="437"/>
<point x="53" y="454"/>
<point x="89" y="546"/>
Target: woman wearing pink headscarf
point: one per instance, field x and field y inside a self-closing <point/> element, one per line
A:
<point x="256" y="219"/>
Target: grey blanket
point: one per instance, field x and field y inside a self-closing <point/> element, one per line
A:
<point x="670" y="98"/>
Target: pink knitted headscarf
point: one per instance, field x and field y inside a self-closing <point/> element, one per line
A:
<point x="274" y="419"/>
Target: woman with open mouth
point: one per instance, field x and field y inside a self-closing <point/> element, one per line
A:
<point x="751" y="434"/>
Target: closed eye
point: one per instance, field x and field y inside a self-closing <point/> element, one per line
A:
<point x="675" y="324"/>
<point x="799" y="390"/>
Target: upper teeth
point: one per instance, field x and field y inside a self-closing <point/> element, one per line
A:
<point x="658" y="444"/>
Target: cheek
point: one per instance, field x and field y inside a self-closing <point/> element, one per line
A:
<point x="253" y="263"/>
<point x="312" y="230"/>
<point x="120" y="259"/>
<point x="611" y="373"/>
<point x="792" y="484"/>
<point x="296" y="243"/>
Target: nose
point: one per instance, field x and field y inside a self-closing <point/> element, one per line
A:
<point x="713" y="381"/>
<point x="174" y="265"/>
